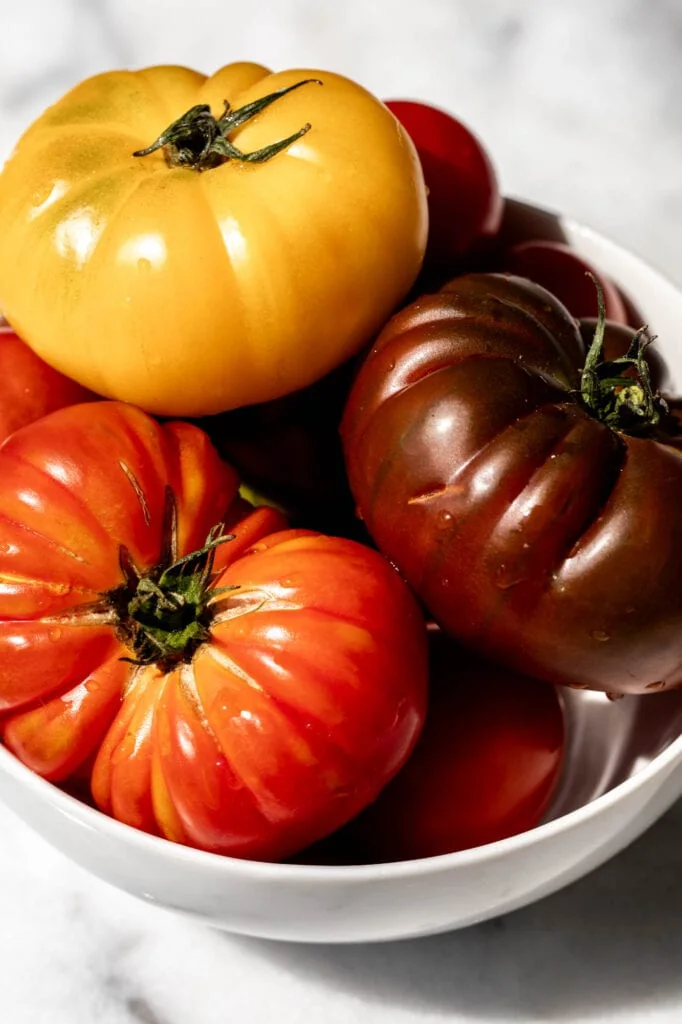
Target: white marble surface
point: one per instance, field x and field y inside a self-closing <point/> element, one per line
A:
<point x="579" y="104"/>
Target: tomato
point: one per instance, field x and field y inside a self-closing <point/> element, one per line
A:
<point x="465" y="205"/>
<point x="485" y="767"/>
<point x="562" y="272"/>
<point x="289" y="451"/>
<point x="29" y="388"/>
<point x="248" y="699"/>
<point x="196" y="278"/>
<point x="530" y="504"/>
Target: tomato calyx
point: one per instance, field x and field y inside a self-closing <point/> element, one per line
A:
<point x="618" y="392"/>
<point x="164" y="614"/>
<point x="200" y="141"/>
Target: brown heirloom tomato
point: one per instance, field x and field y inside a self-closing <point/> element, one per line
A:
<point x="247" y="696"/>
<point x="511" y="492"/>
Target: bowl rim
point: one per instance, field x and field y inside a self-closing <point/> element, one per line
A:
<point x="157" y="846"/>
<point x="95" y="820"/>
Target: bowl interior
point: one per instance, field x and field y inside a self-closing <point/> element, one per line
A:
<point x="608" y="742"/>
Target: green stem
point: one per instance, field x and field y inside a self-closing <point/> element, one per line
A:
<point x="618" y="392"/>
<point x="164" y="615"/>
<point x="200" y="141"/>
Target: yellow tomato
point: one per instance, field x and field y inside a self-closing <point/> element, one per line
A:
<point x="190" y="291"/>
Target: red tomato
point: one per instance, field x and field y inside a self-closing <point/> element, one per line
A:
<point x="485" y="767"/>
<point x="562" y="272"/>
<point x="248" y="699"/>
<point x="465" y="205"/>
<point x="29" y="388"/>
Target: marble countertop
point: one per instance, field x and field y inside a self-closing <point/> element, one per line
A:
<point x="578" y="104"/>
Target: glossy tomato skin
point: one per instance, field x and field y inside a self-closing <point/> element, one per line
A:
<point x="215" y="289"/>
<point x="465" y="205"/>
<point x="485" y="767"/>
<point x="531" y="531"/>
<point x="29" y="388"/>
<point x="560" y="270"/>
<point x="306" y="697"/>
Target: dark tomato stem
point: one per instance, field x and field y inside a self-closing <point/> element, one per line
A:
<point x="618" y="392"/>
<point x="164" y="615"/>
<point x="201" y="141"/>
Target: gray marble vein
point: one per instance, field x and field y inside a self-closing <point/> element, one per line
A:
<point x="580" y="106"/>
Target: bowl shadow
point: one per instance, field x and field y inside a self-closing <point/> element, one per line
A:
<point x="611" y="940"/>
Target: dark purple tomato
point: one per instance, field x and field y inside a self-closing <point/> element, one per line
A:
<point x="527" y="491"/>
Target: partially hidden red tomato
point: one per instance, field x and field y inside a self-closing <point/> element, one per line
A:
<point x="29" y="388"/>
<point x="247" y="699"/>
<point x="526" y="492"/>
<point x="560" y="270"/>
<point x="465" y="205"/>
<point x="485" y="767"/>
<point x="289" y="451"/>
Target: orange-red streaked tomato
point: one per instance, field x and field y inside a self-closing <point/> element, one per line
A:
<point x="29" y="388"/>
<point x="247" y="699"/>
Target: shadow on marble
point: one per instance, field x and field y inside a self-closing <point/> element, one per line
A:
<point x="610" y="942"/>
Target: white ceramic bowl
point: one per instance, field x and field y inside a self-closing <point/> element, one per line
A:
<point x="623" y="770"/>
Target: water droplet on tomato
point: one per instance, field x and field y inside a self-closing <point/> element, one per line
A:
<point x="444" y="519"/>
<point x="291" y="581"/>
<point x="600" y="634"/>
<point x="54" y="634"/>
<point x="358" y="512"/>
<point x="507" y="576"/>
